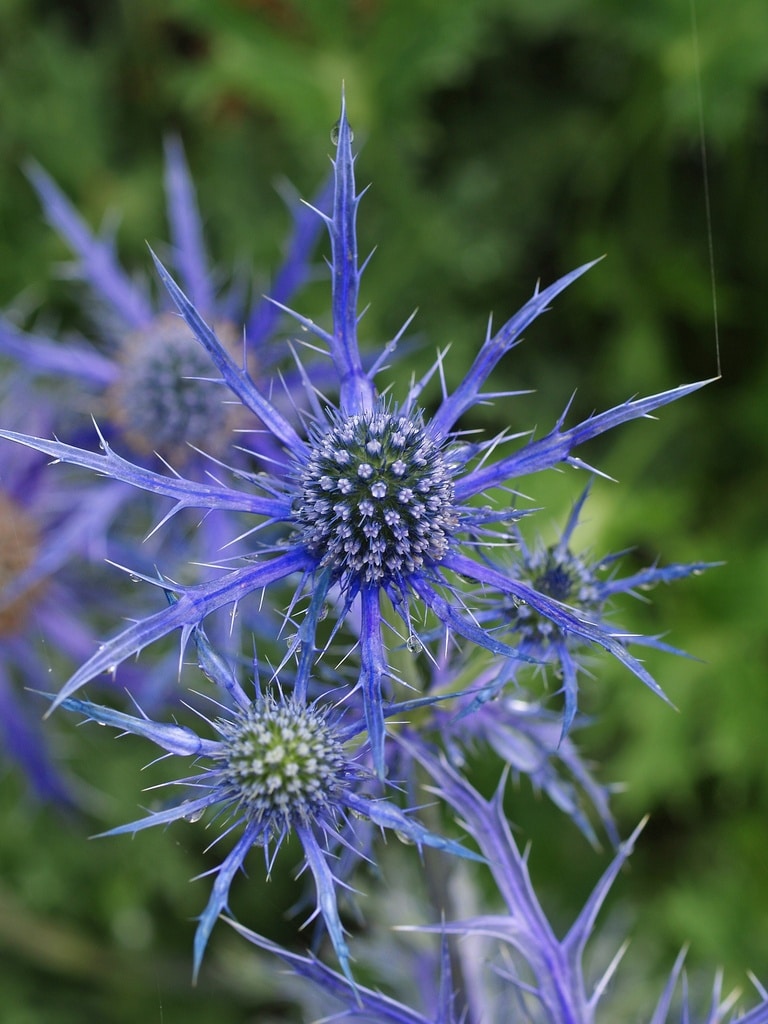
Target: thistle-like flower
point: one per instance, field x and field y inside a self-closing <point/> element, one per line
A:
<point x="43" y="618"/>
<point x="147" y="375"/>
<point x="588" y="587"/>
<point x="379" y="503"/>
<point x="275" y="766"/>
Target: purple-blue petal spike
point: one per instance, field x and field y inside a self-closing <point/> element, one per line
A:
<point x="189" y="610"/>
<point x="556" y="446"/>
<point x="239" y="380"/>
<point x="217" y="901"/>
<point x="98" y="264"/>
<point x="466" y="394"/>
<point x="356" y="389"/>
<point x="190" y="254"/>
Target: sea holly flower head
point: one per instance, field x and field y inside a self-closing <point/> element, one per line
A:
<point x="275" y="766"/>
<point x="163" y="400"/>
<point x="150" y="379"/>
<point x="585" y="585"/>
<point x="283" y="763"/>
<point x="378" y="501"/>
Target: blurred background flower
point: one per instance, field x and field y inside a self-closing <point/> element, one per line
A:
<point x="506" y="141"/>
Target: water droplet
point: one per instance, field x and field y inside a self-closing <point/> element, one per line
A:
<point x="195" y="815"/>
<point x="414" y="645"/>
<point x="335" y="131"/>
<point x="134" y="578"/>
<point x="403" y="837"/>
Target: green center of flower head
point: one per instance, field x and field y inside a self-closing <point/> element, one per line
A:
<point x="377" y="498"/>
<point x="165" y="399"/>
<point x="283" y="762"/>
<point x="18" y="548"/>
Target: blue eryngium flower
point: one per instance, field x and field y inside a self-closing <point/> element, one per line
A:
<point x="588" y="587"/>
<point x="146" y="373"/>
<point x="277" y="766"/>
<point x="375" y="499"/>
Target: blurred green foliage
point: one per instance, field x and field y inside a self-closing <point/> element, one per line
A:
<point x="506" y="140"/>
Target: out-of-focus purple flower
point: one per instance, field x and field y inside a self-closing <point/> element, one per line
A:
<point x="147" y="382"/>
<point x="543" y="975"/>
<point x="148" y="376"/>
<point x="490" y="996"/>
<point x="528" y="740"/>
<point x="44" y="621"/>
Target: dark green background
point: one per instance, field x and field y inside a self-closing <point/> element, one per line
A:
<point x="507" y="140"/>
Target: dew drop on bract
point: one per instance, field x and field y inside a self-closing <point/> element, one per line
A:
<point x="335" y="133"/>
<point x="293" y="643"/>
<point x="403" y="837"/>
<point x="414" y="645"/>
<point x="195" y="815"/>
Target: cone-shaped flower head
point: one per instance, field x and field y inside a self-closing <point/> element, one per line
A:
<point x="163" y="399"/>
<point x="282" y="763"/>
<point x="377" y="499"/>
